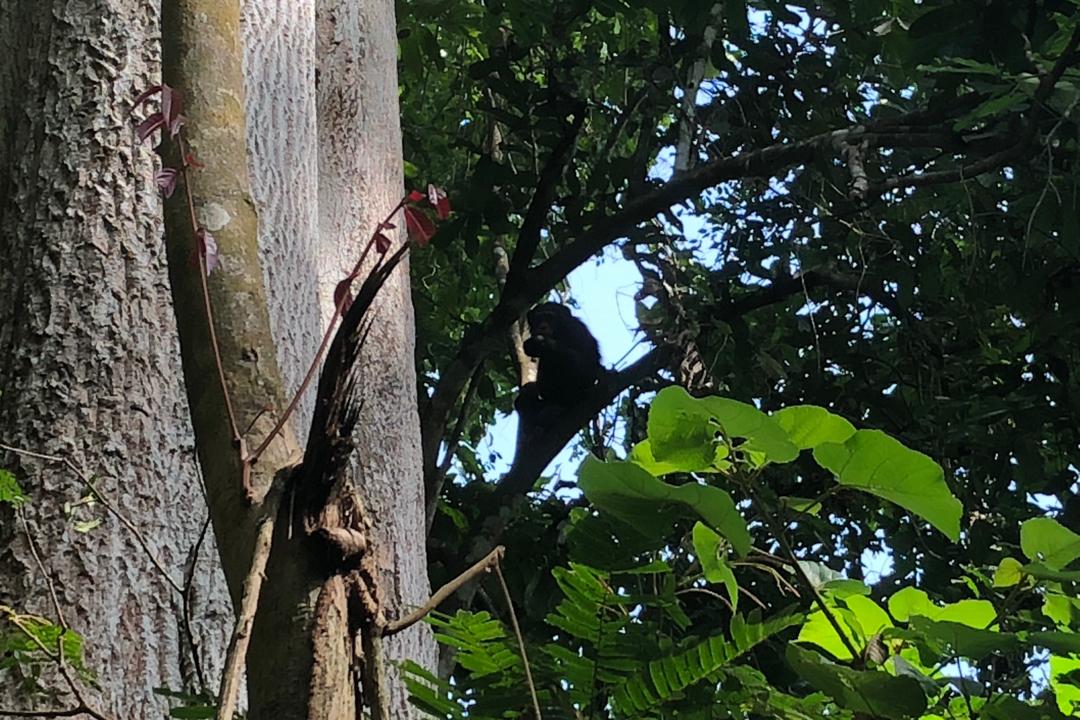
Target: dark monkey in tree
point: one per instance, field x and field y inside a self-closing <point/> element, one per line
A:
<point x="568" y="357"/>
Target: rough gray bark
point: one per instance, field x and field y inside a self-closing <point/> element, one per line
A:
<point x="325" y="168"/>
<point x="88" y="352"/>
<point x="88" y="349"/>
<point x="360" y="179"/>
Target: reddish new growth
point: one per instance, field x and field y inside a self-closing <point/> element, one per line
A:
<point x="171" y="122"/>
<point x="420" y="227"/>
<point x="418" y="222"/>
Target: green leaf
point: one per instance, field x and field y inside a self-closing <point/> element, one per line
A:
<point x="683" y="430"/>
<point x="1066" y="693"/>
<point x="875" y="693"/>
<point x="909" y="602"/>
<point x="667" y="676"/>
<point x="872" y="461"/>
<point x="1061" y="643"/>
<point x="633" y="495"/>
<point x="858" y="616"/>
<point x="808" y="426"/>
<point x="682" y="434"/>
<point x="10" y="492"/>
<point x="1008" y="573"/>
<point x="1041" y="572"/>
<point x="1062" y="609"/>
<point x="713" y="563"/>
<point x="1050" y="542"/>
<point x="953" y="638"/>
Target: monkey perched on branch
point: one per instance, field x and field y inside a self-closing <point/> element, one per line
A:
<point x="568" y="370"/>
<point x="568" y="362"/>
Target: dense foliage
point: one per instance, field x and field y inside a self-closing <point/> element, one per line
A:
<point x="875" y="213"/>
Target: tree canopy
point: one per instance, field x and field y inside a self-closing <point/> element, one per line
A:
<point x="868" y="207"/>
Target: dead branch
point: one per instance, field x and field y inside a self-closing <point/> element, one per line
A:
<point x="238" y="645"/>
<point x="520" y="641"/>
<point x="484" y="565"/>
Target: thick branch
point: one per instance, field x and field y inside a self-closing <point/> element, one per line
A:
<point x="785" y="288"/>
<point x="541" y="450"/>
<point x="533" y="223"/>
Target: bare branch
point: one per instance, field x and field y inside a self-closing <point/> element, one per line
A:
<point x="529" y="236"/>
<point x="235" y="658"/>
<point x="483" y="566"/>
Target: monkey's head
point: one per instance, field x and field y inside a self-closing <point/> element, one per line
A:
<point x="546" y="318"/>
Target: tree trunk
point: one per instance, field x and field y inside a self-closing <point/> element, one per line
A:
<point x="91" y="365"/>
<point x="88" y="351"/>
<point x="360" y="178"/>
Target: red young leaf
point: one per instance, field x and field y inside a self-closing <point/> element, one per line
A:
<point x="343" y="295"/>
<point x="170" y="110"/>
<point x="166" y="179"/>
<point x="420" y="226"/>
<point x="190" y="161"/>
<point x="415" y="196"/>
<point x="208" y="248"/>
<point x="144" y="96"/>
<point x="382" y="243"/>
<point x="439" y="201"/>
<point x="147" y="127"/>
<point x="386" y="225"/>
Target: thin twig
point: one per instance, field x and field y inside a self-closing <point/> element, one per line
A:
<point x="104" y="500"/>
<point x="186" y="610"/>
<point x="778" y="530"/>
<point x="249" y="603"/>
<point x="339" y="311"/>
<point x="207" y="306"/>
<point x="41" y="566"/>
<point x="65" y="671"/>
<point x="484" y="565"/>
<point x="520" y="640"/>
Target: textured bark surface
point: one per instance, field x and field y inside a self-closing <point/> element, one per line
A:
<point x="360" y="179"/>
<point x="88" y="350"/>
<point x="279" y="61"/>
<point x="89" y="358"/>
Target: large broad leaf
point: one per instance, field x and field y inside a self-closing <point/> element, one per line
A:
<point x="630" y="493"/>
<point x="956" y="639"/>
<point x="859" y="617"/>
<point x="683" y="430"/>
<point x="642" y="454"/>
<point x="808" y="426"/>
<point x="1050" y="542"/>
<point x="872" y="461"/>
<point x="908" y="602"/>
<point x="1066" y="691"/>
<point x="1060" y="643"/>
<point x="878" y="694"/>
